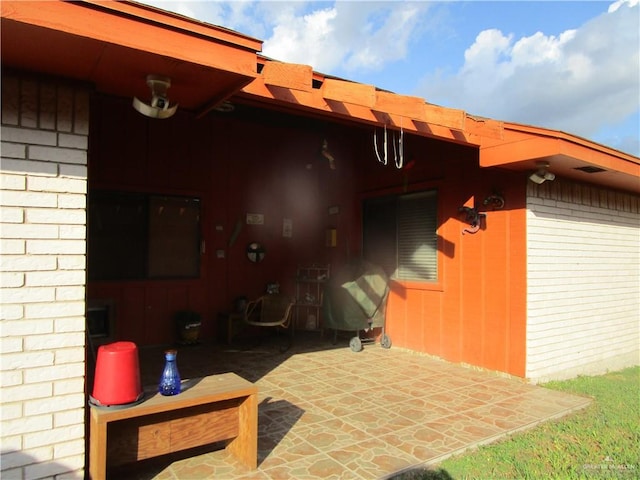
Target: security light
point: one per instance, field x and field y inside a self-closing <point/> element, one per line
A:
<point x="542" y="174"/>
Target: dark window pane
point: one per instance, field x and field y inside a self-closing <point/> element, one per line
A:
<point x="117" y="240"/>
<point x="137" y="236"/>
<point x="174" y="237"/>
<point x="379" y="233"/>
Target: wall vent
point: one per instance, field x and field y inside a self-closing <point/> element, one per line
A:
<point x="590" y="169"/>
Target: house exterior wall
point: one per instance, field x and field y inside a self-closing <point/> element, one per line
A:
<point x="475" y="313"/>
<point x="44" y="183"/>
<point x="583" y="289"/>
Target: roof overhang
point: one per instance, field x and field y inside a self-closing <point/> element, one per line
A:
<point x="569" y="156"/>
<point x="505" y="145"/>
<point x="115" y="45"/>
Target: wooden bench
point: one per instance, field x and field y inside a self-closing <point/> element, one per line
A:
<point x="211" y="409"/>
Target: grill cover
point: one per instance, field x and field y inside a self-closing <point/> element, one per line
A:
<point x="355" y="295"/>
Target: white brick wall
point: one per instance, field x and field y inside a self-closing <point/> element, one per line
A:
<point x="43" y="187"/>
<point x="583" y="301"/>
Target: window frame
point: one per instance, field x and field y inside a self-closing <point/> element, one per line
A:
<point x="436" y="285"/>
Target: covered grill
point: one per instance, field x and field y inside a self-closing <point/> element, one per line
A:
<point x="355" y="299"/>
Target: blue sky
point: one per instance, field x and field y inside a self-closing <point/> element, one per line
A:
<point x="573" y="66"/>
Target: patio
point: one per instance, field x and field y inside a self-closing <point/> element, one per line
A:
<point x="326" y="412"/>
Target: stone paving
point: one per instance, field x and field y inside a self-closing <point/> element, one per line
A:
<point x="326" y="412"/>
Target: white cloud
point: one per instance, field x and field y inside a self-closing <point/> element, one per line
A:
<point x="209" y="12"/>
<point x="307" y="39"/>
<point x="540" y="48"/>
<point x="346" y="36"/>
<point x="579" y="81"/>
<point x="618" y="3"/>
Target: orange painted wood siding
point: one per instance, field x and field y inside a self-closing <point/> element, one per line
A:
<point x="260" y="162"/>
<point x="476" y="312"/>
<point x="249" y="165"/>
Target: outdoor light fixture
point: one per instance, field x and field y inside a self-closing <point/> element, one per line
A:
<point x="159" y="107"/>
<point x="542" y="174"/>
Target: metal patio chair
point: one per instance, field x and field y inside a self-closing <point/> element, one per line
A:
<point x="272" y="310"/>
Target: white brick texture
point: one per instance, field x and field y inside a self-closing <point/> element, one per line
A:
<point x="12" y="215"/>
<point x="13" y="182"/>
<point x="11" y="279"/>
<point x="43" y="169"/>
<point x="8" y="247"/>
<point x="583" y="279"/>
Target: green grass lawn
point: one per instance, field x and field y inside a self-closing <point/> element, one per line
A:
<point x="601" y="441"/>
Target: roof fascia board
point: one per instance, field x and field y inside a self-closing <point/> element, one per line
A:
<point x="153" y="37"/>
<point x="549" y="133"/>
<point x="148" y="13"/>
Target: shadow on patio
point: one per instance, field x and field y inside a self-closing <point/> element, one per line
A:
<point x="326" y="412"/>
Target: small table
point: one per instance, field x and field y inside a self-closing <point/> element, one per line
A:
<point x="228" y="325"/>
<point x="209" y="410"/>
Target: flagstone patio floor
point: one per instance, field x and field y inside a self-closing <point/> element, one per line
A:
<point x="326" y="412"/>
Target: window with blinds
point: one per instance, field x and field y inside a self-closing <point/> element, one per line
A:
<point x="399" y="234"/>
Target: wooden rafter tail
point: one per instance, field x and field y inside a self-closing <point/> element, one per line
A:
<point x="258" y="90"/>
<point x="485" y="127"/>
<point x="349" y="92"/>
<point x="403" y="105"/>
<point x="446" y="117"/>
<point x="288" y="75"/>
<point x="420" y="127"/>
<point x="315" y="101"/>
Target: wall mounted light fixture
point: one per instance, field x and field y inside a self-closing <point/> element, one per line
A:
<point x="473" y="218"/>
<point x="159" y="107"/>
<point x="495" y="201"/>
<point x="542" y="174"/>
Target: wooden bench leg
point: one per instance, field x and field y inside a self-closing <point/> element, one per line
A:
<point x="97" y="449"/>
<point x="245" y="446"/>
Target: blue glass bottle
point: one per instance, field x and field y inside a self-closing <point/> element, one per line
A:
<point x="170" y="379"/>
